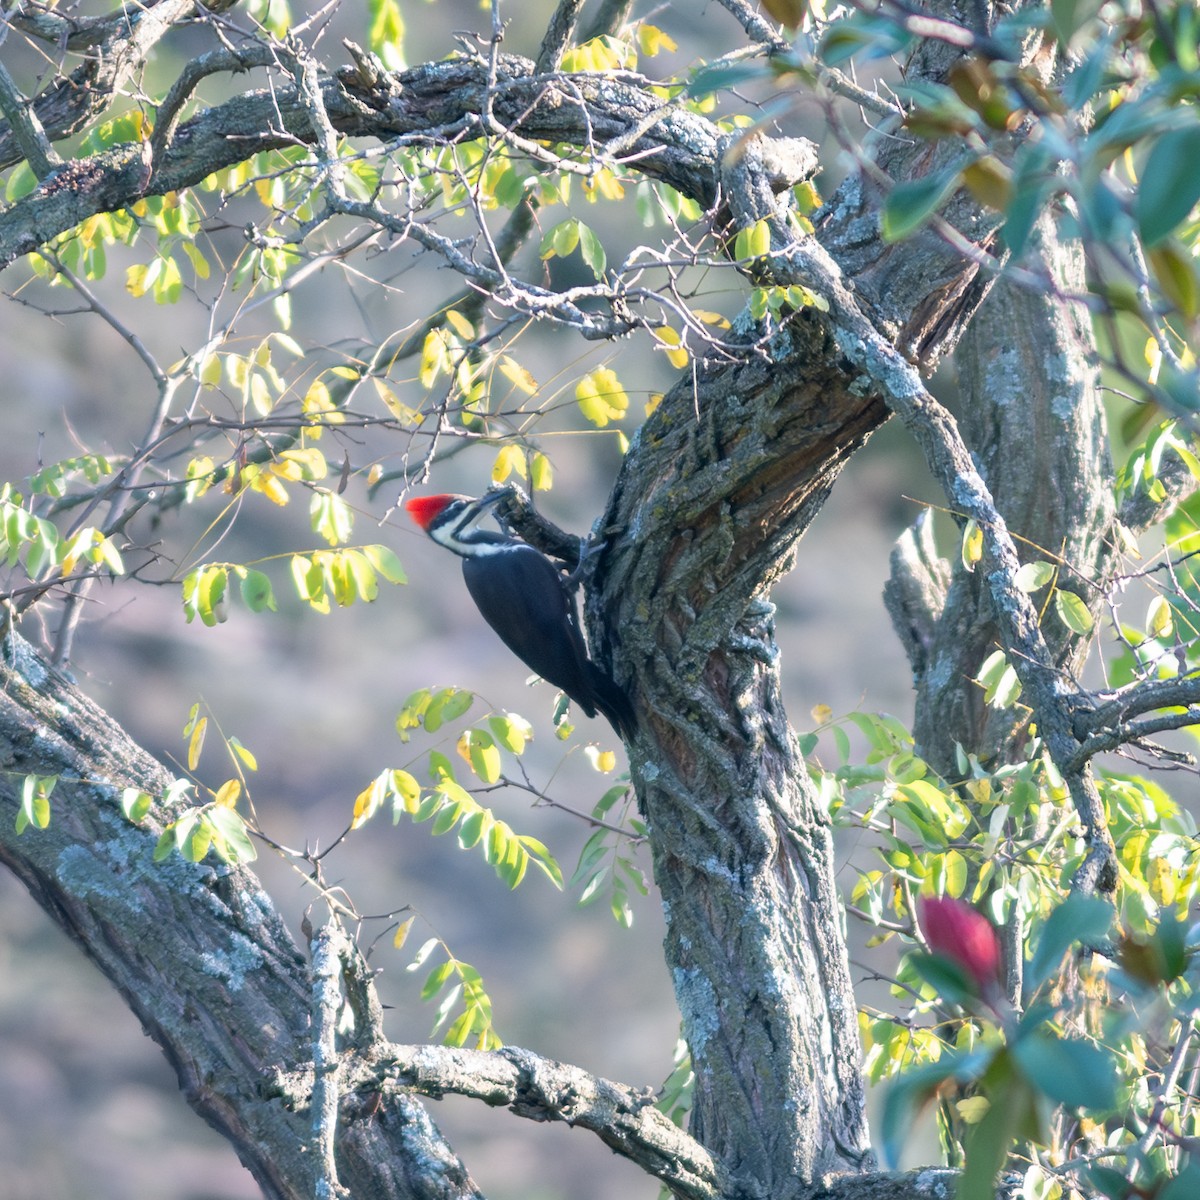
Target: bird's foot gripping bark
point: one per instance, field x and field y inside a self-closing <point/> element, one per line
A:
<point x="589" y="555"/>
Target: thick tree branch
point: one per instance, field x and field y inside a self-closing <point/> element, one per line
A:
<point x="422" y="106"/>
<point x="541" y="1089"/>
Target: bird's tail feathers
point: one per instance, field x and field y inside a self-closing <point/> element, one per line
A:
<point x="614" y="705"/>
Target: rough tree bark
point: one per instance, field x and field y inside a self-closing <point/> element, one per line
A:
<point x="1031" y="412"/>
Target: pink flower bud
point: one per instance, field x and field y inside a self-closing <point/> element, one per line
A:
<point x="966" y="937"/>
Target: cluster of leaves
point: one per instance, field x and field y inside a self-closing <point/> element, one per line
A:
<point x="457" y="982"/>
<point x="446" y="805"/>
<point x="1112" y="152"/>
<point x="193" y="829"/>
<point x="343" y="575"/>
<point x="1074" y="1071"/>
<point x="608" y="855"/>
<point x="446" y="802"/>
<point x="36" y="543"/>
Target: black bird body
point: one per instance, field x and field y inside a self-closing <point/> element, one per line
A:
<point x="525" y="598"/>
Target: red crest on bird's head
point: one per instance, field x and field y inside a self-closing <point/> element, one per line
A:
<point x="426" y="509"/>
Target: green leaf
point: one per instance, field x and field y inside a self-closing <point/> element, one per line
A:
<point x="484" y="755"/>
<point x="560" y="240"/>
<point x="1033" y="576"/>
<point x="1083" y="919"/>
<point x="196" y="847"/>
<point x="710" y="79"/>
<point x="946" y="977"/>
<point x="447" y="705"/>
<point x="135" y="805"/>
<point x="513" y="733"/>
<point x="386" y="563"/>
<point x="365" y="582"/>
<point x="436" y="980"/>
<point x="210" y="602"/>
<point x="1185" y="1185"/>
<point x="1069" y="1071"/>
<point x="543" y="859"/>
<point x="165" y="844"/>
<point x="427" y="948"/>
<point x="912" y="203"/>
<point x="257" y="593"/>
<point x="1073" y="612"/>
<point x="1170" y="184"/>
<point x="35" y="802"/>
<point x="754" y="241"/>
<point x="474" y="827"/>
<point x="1069" y="16"/>
<point x="592" y="250"/>
<point x="233" y="842"/>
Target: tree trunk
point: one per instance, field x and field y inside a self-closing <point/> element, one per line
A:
<point x="1033" y="418"/>
<point x="711" y="508"/>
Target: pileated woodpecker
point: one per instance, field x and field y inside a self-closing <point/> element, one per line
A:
<point x="524" y="597"/>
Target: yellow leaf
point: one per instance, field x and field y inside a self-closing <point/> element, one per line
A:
<point x="808" y="199"/>
<point x="541" y="473"/>
<point x="789" y="13"/>
<point x="228" y="793"/>
<point x="510" y="458"/>
<point x="404" y="413"/>
<point x="653" y="41"/>
<point x="972" y="545"/>
<point x="308" y="460"/>
<point x="286" y="469"/>
<point x="601" y="397"/>
<point x="260" y="395"/>
<point x="1162" y="881"/>
<point x="517" y="375"/>
<point x="677" y="356"/>
<point x="408" y="789"/>
<point x="270" y="486"/>
<point x="401" y="935"/>
<point x="366" y="804"/>
<point x="460" y="325"/>
<point x="1153" y="354"/>
<point x="463" y="746"/>
<point x="1159" y="619"/>
<point x="196" y="744"/>
<point x="210" y="371"/>
<point x="973" y="1109"/>
<point x="136" y="283"/>
<point x="711" y="318"/>
<point x="821" y="713"/>
<point x="435" y="358"/>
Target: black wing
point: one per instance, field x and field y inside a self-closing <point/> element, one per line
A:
<point x="524" y="598"/>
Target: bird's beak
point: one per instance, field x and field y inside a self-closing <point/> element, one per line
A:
<point x="493" y="497"/>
